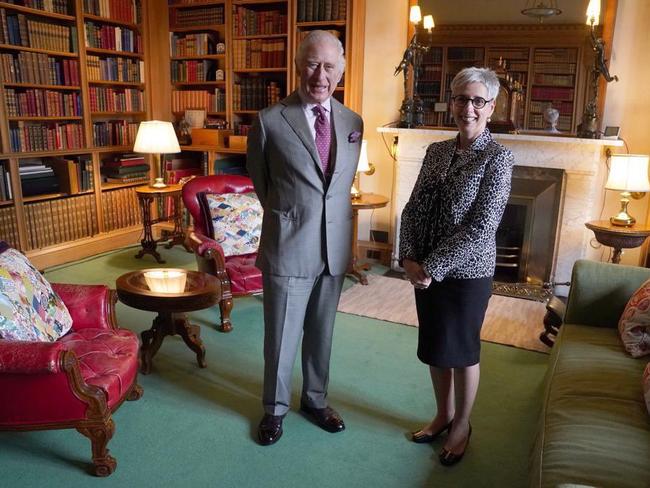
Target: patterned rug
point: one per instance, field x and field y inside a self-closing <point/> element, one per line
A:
<point x="511" y="321"/>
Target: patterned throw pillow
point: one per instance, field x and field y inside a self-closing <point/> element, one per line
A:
<point x="236" y="221"/>
<point x="646" y="386"/>
<point x="29" y="309"/>
<point x="634" y="324"/>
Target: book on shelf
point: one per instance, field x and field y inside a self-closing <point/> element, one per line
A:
<point x="40" y="185"/>
<point x="131" y="178"/>
<point x="125" y="170"/>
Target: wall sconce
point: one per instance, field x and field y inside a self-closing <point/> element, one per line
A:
<point x="362" y="167"/>
<point x="588" y="128"/>
<point x="156" y="137"/>
<point x="166" y="281"/>
<point x="628" y="173"/>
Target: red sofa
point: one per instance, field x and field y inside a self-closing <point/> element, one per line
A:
<point x="77" y="381"/>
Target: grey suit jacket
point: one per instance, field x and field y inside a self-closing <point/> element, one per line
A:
<point x="307" y="221"/>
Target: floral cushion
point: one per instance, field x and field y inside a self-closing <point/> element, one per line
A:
<point x="634" y="324"/>
<point x="236" y="220"/>
<point x="29" y="309"/>
<point x="646" y="386"/>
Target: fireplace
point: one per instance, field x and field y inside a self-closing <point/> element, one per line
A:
<point x="526" y="237"/>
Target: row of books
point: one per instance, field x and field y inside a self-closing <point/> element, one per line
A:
<point x="559" y="55"/>
<point x="198" y="99"/>
<point x="249" y="22"/>
<point x="112" y="37"/>
<point x="552" y="93"/>
<point x="54" y="6"/>
<point x="114" y="133"/>
<point x="128" y="168"/>
<point x="430" y="73"/>
<point x="465" y="54"/>
<point x="124" y="10"/>
<point x="196" y="16"/>
<point x="559" y="68"/>
<point x="255" y="94"/>
<point x="29" y="137"/>
<point x="565" y="108"/>
<point x="61" y="220"/>
<point x="114" y="69"/>
<point x="20" y="30"/>
<point x="192" y="44"/>
<point x="432" y="56"/>
<point x="6" y="193"/>
<point x="120" y="209"/>
<point x="39" y="68"/>
<point x="42" y="103"/>
<point x="8" y="227"/>
<point x="75" y="173"/>
<point x="184" y="71"/>
<point x="259" y="53"/>
<point x="106" y="99"/>
<point x="555" y="80"/>
<point x="321" y="10"/>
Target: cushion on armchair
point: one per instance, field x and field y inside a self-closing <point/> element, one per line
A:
<point x="29" y="309"/>
<point x="234" y="221"/>
<point x="634" y="325"/>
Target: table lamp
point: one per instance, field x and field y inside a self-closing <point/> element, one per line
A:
<point x="156" y="137"/>
<point x="166" y="281"/>
<point x="628" y="173"/>
<point x="362" y="167"/>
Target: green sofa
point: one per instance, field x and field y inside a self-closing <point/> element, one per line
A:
<point x="594" y="427"/>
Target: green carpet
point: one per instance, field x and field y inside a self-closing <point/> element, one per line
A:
<point x="196" y="427"/>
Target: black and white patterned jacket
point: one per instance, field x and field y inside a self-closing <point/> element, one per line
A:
<point x="449" y="223"/>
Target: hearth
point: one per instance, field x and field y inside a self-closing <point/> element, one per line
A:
<point x="527" y="235"/>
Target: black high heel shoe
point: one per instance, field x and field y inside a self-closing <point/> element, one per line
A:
<point x="420" y="437"/>
<point x="448" y="458"/>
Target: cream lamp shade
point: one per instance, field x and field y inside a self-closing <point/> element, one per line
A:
<point x="593" y="12"/>
<point x="166" y="281"/>
<point x="628" y="173"/>
<point x="363" y="166"/>
<point x="156" y="137"/>
<point x="428" y="22"/>
<point x="415" y="15"/>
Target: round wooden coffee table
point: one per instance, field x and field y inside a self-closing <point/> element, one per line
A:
<point x="201" y="291"/>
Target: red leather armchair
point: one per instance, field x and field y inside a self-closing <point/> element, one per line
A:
<point x="77" y="381"/>
<point x="238" y="274"/>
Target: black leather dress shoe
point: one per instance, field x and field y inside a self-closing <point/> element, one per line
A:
<point x="448" y="458"/>
<point x="326" y="418"/>
<point x="270" y="429"/>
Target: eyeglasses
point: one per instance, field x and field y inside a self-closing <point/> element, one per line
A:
<point x="477" y="102"/>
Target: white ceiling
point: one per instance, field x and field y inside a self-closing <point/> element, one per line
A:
<point x="501" y="11"/>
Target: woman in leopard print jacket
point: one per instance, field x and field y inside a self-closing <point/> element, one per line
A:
<point x="448" y="250"/>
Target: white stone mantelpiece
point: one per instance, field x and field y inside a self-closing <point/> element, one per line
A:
<point x="583" y="161"/>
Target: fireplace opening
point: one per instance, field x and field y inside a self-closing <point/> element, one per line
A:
<point x="527" y="235"/>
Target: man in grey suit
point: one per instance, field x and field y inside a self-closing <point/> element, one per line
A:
<point x="302" y="157"/>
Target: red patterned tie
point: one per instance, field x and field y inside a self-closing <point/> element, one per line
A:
<point x="323" y="137"/>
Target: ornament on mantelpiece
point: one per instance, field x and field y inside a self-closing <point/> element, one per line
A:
<point x="551" y="116"/>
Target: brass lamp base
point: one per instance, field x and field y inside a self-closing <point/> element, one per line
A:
<point x="158" y="183"/>
<point x="623" y="219"/>
<point x="354" y="193"/>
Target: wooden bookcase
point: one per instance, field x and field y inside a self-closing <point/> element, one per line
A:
<point x="550" y="61"/>
<point x="72" y="91"/>
<point x="261" y="38"/>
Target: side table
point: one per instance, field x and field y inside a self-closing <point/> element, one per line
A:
<point x="201" y="291"/>
<point x="618" y="237"/>
<point x="146" y="196"/>
<point x="364" y="201"/>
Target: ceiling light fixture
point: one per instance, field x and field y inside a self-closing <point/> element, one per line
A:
<point x="541" y="10"/>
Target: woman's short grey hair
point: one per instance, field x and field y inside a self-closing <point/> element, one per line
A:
<point x="316" y="37"/>
<point x="477" y="75"/>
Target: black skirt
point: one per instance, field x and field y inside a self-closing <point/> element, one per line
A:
<point x="450" y="316"/>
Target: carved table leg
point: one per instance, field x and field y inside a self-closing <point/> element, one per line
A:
<point x="152" y="339"/>
<point x="148" y="242"/>
<point x="178" y="234"/>
<point x="191" y="335"/>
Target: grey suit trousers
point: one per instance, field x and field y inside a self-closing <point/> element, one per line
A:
<point x="295" y="308"/>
